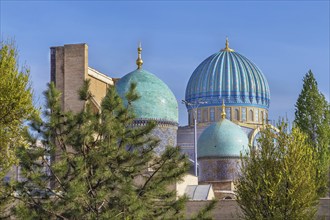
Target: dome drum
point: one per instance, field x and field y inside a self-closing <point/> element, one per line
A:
<point x="167" y="136"/>
<point x="160" y="122"/>
<point x="215" y="169"/>
<point x="236" y="113"/>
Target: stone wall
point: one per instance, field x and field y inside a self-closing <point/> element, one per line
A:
<point x="229" y="210"/>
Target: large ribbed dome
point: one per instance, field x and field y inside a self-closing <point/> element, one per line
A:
<point x="230" y="76"/>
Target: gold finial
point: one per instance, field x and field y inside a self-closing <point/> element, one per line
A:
<point x="227" y="46"/>
<point x="223" y="113"/>
<point x="139" y="61"/>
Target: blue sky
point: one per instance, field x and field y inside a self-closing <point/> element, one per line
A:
<point x="283" y="38"/>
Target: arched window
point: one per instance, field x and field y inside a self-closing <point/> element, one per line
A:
<point x="205" y="115"/>
<point x="199" y="115"/>
<point x="251" y="115"/>
<point x="219" y="110"/>
<point x="191" y="117"/>
<point x="228" y="115"/>
<point x="243" y="114"/>
<point x="237" y="114"/>
<point x="212" y="115"/>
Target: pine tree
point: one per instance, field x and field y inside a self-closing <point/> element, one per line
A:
<point x="15" y="107"/>
<point x="277" y="177"/>
<point x="312" y="116"/>
<point x="104" y="167"/>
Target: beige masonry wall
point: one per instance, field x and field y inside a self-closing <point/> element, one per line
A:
<point x="69" y="69"/>
<point x="181" y="186"/>
<point x="229" y="209"/>
<point x="98" y="84"/>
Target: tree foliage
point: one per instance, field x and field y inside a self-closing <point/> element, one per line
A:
<point x="312" y="116"/>
<point x="278" y="177"/>
<point x="15" y="107"/>
<point x="104" y="167"/>
<point x="15" y="104"/>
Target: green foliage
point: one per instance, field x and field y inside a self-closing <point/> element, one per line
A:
<point x="15" y="104"/>
<point x="102" y="167"/>
<point x="278" y="177"/>
<point x="15" y="107"/>
<point x="312" y="116"/>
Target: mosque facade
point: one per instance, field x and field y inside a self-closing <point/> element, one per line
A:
<point x="227" y="99"/>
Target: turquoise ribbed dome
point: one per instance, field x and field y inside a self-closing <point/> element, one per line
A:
<point x="156" y="101"/>
<point x="222" y="139"/>
<point x="230" y="76"/>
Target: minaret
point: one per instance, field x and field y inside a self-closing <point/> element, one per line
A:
<point x="139" y="61"/>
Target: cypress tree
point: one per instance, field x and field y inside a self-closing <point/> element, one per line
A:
<point x="312" y="116"/>
<point x="103" y="167"/>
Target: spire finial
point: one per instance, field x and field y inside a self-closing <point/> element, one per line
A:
<point x="227" y="46"/>
<point x="223" y="113"/>
<point x="227" y="43"/>
<point x="139" y="61"/>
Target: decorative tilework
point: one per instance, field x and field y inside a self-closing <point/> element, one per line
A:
<point x="167" y="136"/>
<point x="156" y="100"/>
<point x="214" y="169"/>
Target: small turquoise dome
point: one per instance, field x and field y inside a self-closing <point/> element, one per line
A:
<point x="222" y="139"/>
<point x="230" y="76"/>
<point x="156" y="100"/>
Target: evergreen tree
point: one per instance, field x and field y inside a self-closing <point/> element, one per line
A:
<point x="312" y="116"/>
<point x="15" y="107"/>
<point x="277" y="177"/>
<point x="104" y="167"/>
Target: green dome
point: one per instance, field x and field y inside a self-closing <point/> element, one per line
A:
<point x="156" y="100"/>
<point x="222" y="139"/>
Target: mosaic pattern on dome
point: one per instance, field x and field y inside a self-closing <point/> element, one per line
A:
<point x="156" y="100"/>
